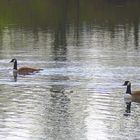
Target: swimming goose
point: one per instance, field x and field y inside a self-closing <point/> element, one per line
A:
<point x="131" y="96"/>
<point x="22" y="70"/>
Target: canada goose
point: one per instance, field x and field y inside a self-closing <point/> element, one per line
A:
<point x="22" y="70"/>
<point x="131" y="96"/>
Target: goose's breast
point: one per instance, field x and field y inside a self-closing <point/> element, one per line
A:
<point x="127" y="98"/>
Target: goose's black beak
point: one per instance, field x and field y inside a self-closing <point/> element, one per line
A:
<point x="126" y="83"/>
<point x="12" y="60"/>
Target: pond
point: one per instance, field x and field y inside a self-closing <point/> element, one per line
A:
<point x="87" y="50"/>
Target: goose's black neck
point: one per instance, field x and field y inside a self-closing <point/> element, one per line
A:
<point x="128" y="90"/>
<point x="15" y="65"/>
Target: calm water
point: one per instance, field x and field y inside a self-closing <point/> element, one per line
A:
<point x="85" y="57"/>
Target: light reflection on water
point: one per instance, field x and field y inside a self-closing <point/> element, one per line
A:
<point x="78" y="95"/>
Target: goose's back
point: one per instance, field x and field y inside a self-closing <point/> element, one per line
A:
<point x="136" y="93"/>
<point x="136" y="96"/>
<point x="27" y="70"/>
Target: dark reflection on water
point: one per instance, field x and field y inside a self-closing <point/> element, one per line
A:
<point x="45" y="16"/>
<point x="59" y="49"/>
<point x="136" y="33"/>
<point x="60" y="117"/>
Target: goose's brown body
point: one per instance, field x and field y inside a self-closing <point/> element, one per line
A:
<point x="136" y="93"/>
<point x="27" y="70"/>
<point x="136" y="96"/>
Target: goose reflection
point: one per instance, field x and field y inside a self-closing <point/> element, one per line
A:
<point x="128" y="109"/>
<point x="129" y="105"/>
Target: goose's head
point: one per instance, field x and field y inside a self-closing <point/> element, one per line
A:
<point x="13" y="60"/>
<point x="127" y="83"/>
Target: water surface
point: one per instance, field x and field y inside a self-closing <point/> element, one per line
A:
<point x="85" y="57"/>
